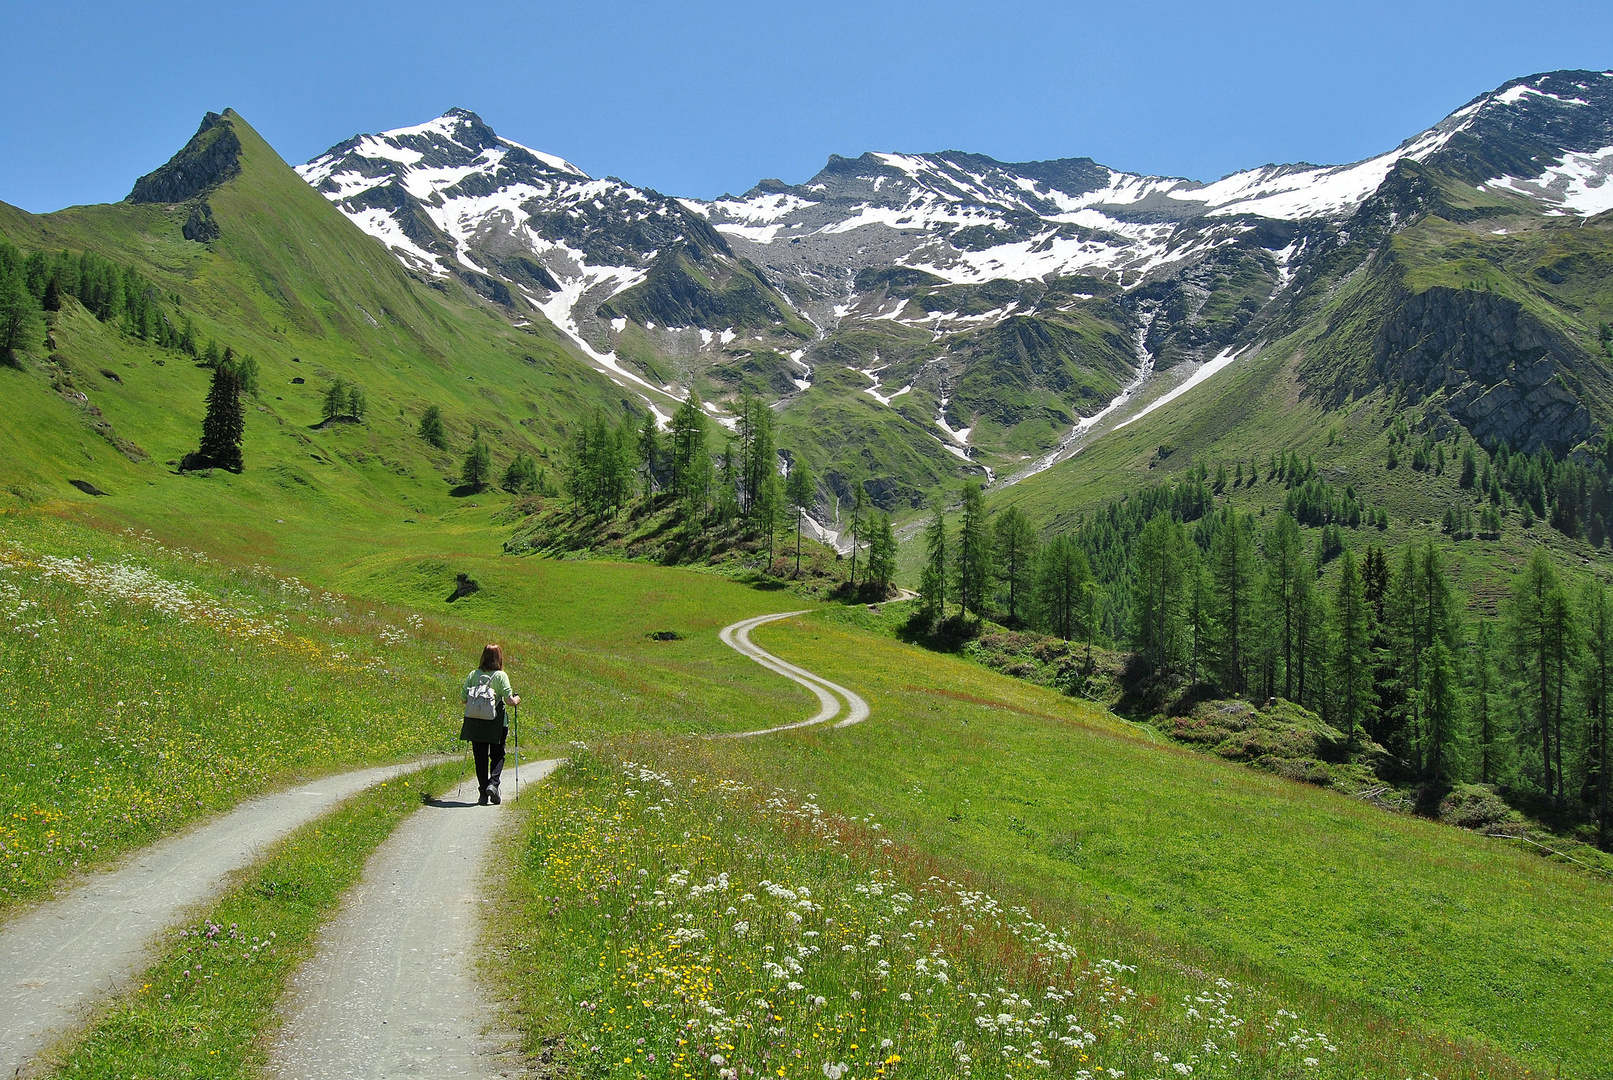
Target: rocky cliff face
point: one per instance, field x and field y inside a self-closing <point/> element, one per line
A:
<point x="212" y="156"/>
<point x="1506" y="376"/>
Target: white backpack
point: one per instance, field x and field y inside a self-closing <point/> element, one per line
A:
<point x="481" y="702"/>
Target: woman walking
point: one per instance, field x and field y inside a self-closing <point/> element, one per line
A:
<point x="485" y="693"/>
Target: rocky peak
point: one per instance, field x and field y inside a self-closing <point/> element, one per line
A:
<point x="212" y="156"/>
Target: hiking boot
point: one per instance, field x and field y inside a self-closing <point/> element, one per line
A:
<point x="483" y="800"/>
<point x="492" y="797"/>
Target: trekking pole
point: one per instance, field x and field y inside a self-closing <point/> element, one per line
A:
<point x="515" y="737"/>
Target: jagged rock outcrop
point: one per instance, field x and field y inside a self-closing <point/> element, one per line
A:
<point x="1507" y="377"/>
<point x="200" y="226"/>
<point x="212" y="156"/>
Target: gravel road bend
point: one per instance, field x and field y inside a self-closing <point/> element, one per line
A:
<point x="59" y="958"/>
<point x="737" y="636"/>
<point x="392" y="990"/>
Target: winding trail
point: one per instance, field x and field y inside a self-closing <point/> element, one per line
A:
<point x="737" y="637"/>
<point x="60" y="958"/>
<point x="392" y="989"/>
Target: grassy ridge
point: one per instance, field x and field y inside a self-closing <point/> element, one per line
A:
<point x="1327" y="898"/>
<point x="207" y="1004"/>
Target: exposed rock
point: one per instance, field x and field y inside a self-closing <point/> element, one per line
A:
<point x="212" y="156"/>
<point x="200" y="226"/>
<point x="1507" y="377"/>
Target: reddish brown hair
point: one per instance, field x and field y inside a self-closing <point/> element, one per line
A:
<point x="492" y="659"/>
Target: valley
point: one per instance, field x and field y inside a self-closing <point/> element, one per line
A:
<point x="750" y="489"/>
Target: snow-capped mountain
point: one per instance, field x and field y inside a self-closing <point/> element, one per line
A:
<point x="973" y="296"/>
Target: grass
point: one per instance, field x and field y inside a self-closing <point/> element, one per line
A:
<point x="207" y="1005"/>
<point x="678" y="923"/>
<point x="1318" y="896"/>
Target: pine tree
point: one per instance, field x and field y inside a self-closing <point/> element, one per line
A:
<point x="1016" y="558"/>
<point x="477" y="469"/>
<point x="973" y="566"/>
<point x="933" y="578"/>
<point x="224" y="425"/>
<point x="432" y="429"/>
<point x="802" y="490"/>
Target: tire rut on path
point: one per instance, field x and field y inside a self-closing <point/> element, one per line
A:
<point x="61" y="957"/>
<point x="737" y="637"/>
<point x="393" y="990"/>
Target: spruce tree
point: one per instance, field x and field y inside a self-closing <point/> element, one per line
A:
<point x="224" y="424"/>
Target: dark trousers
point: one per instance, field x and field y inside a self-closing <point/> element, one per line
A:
<point x="489" y="765"/>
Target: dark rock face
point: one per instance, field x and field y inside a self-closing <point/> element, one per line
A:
<point x="1508" y="378"/>
<point x="212" y="156"/>
<point x="200" y="226"/>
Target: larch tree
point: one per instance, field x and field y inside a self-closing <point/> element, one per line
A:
<point x="973" y="567"/>
<point x="1016" y="558"/>
<point x="1598" y="625"/>
<point x="933" y="578"/>
<point x="802" y="490"/>
<point x="1352" y="637"/>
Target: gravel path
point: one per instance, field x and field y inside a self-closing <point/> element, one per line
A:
<point x="61" y="957"/>
<point x="737" y="636"/>
<point x="392" y="990"/>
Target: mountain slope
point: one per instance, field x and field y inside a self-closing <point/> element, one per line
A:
<point x="1000" y="314"/>
<point x="289" y="280"/>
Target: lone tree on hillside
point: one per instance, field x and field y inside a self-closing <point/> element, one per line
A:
<point x="344" y="400"/>
<point x="478" y="467"/>
<point x="222" y="427"/>
<point x="432" y="429"/>
<point x="800" y="488"/>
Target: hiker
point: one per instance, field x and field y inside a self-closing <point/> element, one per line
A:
<point x="485" y="693"/>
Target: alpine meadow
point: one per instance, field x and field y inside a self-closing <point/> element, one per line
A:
<point x="971" y="618"/>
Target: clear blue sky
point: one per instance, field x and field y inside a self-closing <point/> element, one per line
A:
<point x="700" y="98"/>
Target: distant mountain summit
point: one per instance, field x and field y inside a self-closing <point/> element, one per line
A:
<point x="985" y="307"/>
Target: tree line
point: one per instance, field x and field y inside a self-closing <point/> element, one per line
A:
<point x="1379" y="647"/>
<point x="747" y="482"/>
